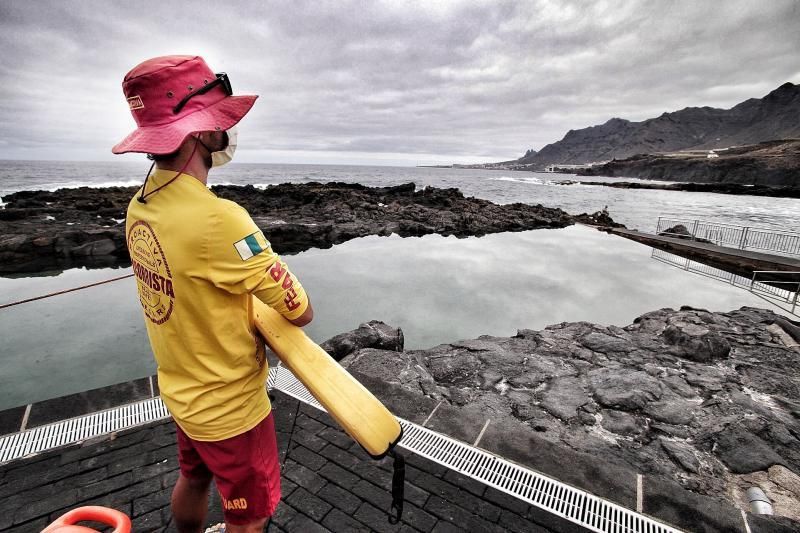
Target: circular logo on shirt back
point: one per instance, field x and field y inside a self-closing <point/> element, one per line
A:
<point x="153" y="277"/>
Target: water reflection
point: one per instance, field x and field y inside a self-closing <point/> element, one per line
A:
<point x="437" y="289"/>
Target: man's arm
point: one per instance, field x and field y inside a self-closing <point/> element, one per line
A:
<point x="282" y="291"/>
<point x="244" y="262"/>
<point x="305" y="318"/>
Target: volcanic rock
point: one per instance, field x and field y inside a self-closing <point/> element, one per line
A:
<point x="675" y="411"/>
<point x="564" y="397"/>
<point x="764" y="169"/>
<point x="682" y="454"/>
<point x="624" y="388"/>
<point x="42" y="230"/>
<point x="695" y="342"/>
<point x="373" y="334"/>
<point x="639" y="394"/>
<point x="787" y="479"/>
<point x="621" y="422"/>
<point x="742" y="452"/>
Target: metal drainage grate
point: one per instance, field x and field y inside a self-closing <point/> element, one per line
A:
<point x="85" y="427"/>
<point x="288" y="384"/>
<point x="575" y="505"/>
<point x="80" y="428"/>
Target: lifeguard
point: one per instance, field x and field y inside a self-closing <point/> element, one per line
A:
<point x="198" y="261"/>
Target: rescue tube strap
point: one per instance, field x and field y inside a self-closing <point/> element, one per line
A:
<point x="398" y="487"/>
<point x="291" y="436"/>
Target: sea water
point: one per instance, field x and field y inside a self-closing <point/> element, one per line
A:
<point x="636" y="208"/>
<point x="437" y="289"/>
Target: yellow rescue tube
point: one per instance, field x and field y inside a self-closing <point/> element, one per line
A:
<point x="353" y="407"/>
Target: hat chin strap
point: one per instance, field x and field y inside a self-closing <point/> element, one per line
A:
<point x="143" y="197"/>
<point x="209" y="150"/>
<point x="210" y="162"/>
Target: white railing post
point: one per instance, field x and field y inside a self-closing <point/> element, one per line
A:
<point x="694" y="230"/>
<point x="743" y="243"/>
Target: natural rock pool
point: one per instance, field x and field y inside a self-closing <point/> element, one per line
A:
<point x="437" y="289"/>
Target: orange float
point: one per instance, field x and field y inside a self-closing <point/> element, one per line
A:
<point x="66" y="523"/>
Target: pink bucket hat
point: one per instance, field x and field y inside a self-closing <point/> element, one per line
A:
<point x="171" y="97"/>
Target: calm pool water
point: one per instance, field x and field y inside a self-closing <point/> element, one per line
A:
<point x="437" y="289"/>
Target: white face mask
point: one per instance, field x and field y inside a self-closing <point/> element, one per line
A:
<point x="224" y="156"/>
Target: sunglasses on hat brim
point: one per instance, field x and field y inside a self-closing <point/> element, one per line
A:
<point x="222" y="79"/>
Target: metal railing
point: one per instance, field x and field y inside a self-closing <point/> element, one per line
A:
<point x="742" y="237"/>
<point x="772" y="284"/>
<point x="777" y="287"/>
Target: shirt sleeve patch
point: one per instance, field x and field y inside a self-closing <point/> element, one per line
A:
<point x="251" y="246"/>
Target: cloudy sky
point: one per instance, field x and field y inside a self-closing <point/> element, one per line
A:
<point x="388" y="83"/>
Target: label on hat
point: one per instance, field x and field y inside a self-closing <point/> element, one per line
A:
<point x="135" y="102"/>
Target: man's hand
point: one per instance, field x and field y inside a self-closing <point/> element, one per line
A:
<point x="305" y="318"/>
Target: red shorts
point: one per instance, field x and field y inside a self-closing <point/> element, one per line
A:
<point x="245" y="468"/>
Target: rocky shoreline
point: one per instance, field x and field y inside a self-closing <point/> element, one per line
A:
<point x="711" y="400"/>
<point x="719" y="188"/>
<point x="41" y="230"/>
<point x="765" y="169"/>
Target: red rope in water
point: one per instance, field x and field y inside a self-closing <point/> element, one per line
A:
<point x="12" y="304"/>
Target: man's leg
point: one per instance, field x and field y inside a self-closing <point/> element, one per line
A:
<point x="190" y="503"/>
<point x="247" y="475"/>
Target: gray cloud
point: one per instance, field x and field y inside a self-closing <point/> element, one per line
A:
<point x="425" y="81"/>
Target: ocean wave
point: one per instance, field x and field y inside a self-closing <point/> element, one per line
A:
<point x="98" y="185"/>
<point x="529" y="180"/>
<point x="52" y="187"/>
<point x="261" y="186"/>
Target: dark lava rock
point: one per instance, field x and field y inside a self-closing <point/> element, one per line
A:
<point x="640" y="394"/>
<point x="680" y="231"/>
<point x="620" y="422"/>
<point x="598" y="218"/>
<point x="790" y="327"/>
<point x="682" y="454"/>
<point x="743" y="452"/>
<point x="623" y="388"/>
<point x="42" y="230"/>
<point x="601" y="342"/>
<point x="676" y="412"/>
<point x="677" y="231"/>
<point x="695" y="342"/>
<point x="564" y="397"/>
<point x="373" y="334"/>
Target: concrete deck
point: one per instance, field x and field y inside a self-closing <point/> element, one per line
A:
<point x="328" y="484"/>
<point x="732" y="259"/>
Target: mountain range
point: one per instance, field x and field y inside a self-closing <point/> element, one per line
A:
<point x="775" y="116"/>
